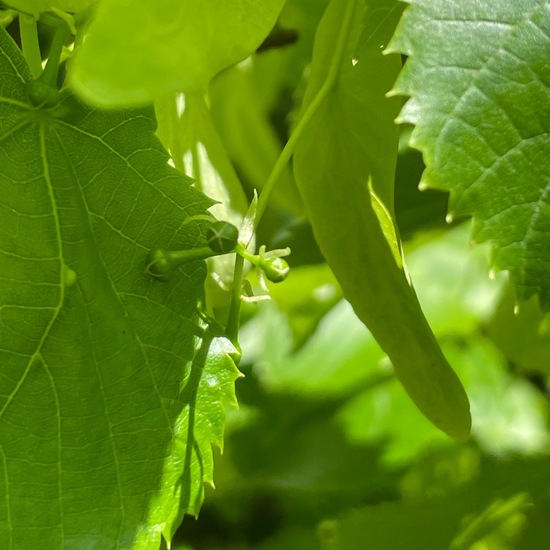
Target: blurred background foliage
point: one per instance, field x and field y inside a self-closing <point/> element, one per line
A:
<point x="326" y="450"/>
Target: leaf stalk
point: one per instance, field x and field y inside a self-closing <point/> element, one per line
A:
<point x="321" y="95"/>
<point x="233" y="318"/>
<point x="51" y="71"/>
<point x="29" y="43"/>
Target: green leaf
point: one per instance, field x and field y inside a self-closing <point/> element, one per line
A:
<point x="479" y="78"/>
<point x="111" y="383"/>
<point x="436" y="524"/>
<point x="344" y="165"/>
<point x="35" y="7"/>
<point x="166" y="46"/>
<point x="523" y="335"/>
<point x="207" y="389"/>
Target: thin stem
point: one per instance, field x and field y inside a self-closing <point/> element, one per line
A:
<point x="233" y="319"/>
<point x="178" y="257"/>
<point x="321" y="95"/>
<point x="49" y="76"/>
<point x="29" y="43"/>
<point x="232" y="329"/>
<point x="252" y="258"/>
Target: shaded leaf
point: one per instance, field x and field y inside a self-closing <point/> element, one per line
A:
<point x="415" y="210"/>
<point x="344" y="165"/>
<point x="479" y="78"/>
<point x="111" y="384"/>
<point x="523" y="335"/>
<point x="491" y="511"/>
<point x="187" y="131"/>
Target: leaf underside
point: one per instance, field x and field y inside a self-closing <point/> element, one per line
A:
<point x="344" y="166"/>
<point x="479" y="80"/>
<point x="181" y="46"/>
<point x="111" y="386"/>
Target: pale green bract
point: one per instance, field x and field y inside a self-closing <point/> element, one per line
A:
<point x="186" y="130"/>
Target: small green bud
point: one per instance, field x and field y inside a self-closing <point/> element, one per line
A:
<point x="158" y="264"/>
<point x="69" y="276"/>
<point x="275" y="269"/>
<point x="222" y="237"/>
<point x="162" y="264"/>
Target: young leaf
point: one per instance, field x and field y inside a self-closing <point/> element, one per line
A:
<point x="166" y="46"/>
<point x="344" y="165"/>
<point x="479" y="78"/>
<point x="111" y="384"/>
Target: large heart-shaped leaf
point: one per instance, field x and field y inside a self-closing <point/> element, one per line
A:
<point x="111" y="384"/>
<point x="479" y="78"/>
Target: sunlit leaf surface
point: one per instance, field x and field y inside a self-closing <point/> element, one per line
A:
<point x="479" y="78"/>
<point x="111" y="385"/>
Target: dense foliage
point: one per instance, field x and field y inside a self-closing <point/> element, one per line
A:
<point x="186" y="186"/>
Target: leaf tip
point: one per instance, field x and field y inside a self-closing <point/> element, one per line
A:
<point x="393" y="93"/>
<point x="462" y="435"/>
<point x="457" y="422"/>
